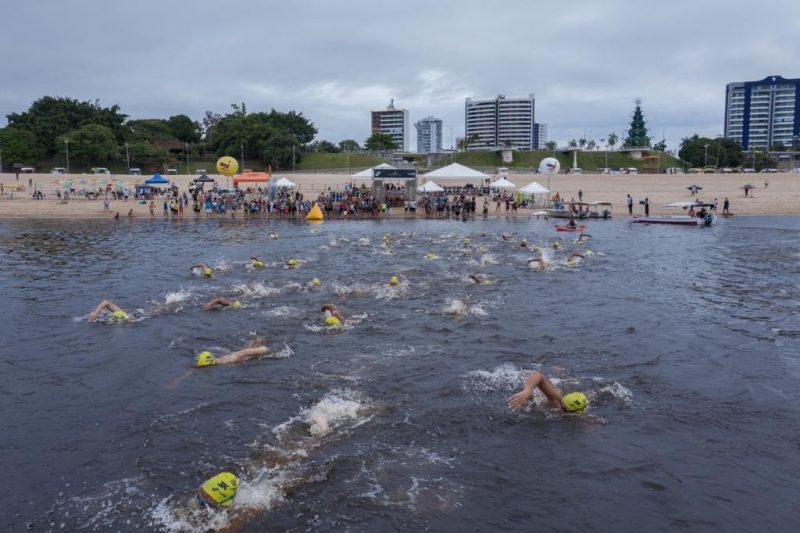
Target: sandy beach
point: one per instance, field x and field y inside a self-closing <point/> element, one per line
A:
<point x="780" y="197"/>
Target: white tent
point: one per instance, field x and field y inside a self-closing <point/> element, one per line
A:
<point x="456" y="171"/>
<point x="502" y="183"/>
<point x="368" y="174"/>
<point x="283" y="182"/>
<point x="429" y="187"/>
<point x="534" y="188"/>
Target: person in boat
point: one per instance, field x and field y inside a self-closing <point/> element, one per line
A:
<point x="255" y="348"/>
<point x="222" y="303"/>
<point x="573" y="402"/>
<point x="692" y="212"/>
<point x="571" y="222"/>
<point x="702" y="212"/>
<point x="115" y="310"/>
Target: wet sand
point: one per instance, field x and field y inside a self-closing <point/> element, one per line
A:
<point x="781" y="197"/>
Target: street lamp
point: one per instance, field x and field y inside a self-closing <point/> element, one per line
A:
<point x="1" y="160"/>
<point x="706" y="159"/>
<point x="187" y="160"/>
<point x="718" y="147"/>
<point x="66" y="146"/>
<point x="127" y="156"/>
<point x="794" y="152"/>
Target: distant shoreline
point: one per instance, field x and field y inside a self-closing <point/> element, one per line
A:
<point x="781" y="197"/>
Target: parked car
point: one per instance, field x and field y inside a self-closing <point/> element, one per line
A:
<point x="58" y="170"/>
<point x="172" y="171"/>
<point x="27" y="170"/>
<point x="768" y="171"/>
<point x="575" y="171"/>
<point x="100" y="170"/>
<point x="748" y="170"/>
<point x="135" y="171"/>
<point x="200" y="171"/>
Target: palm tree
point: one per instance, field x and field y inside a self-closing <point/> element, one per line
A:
<point x="591" y="144"/>
<point x="612" y="139"/>
<point x="573" y="143"/>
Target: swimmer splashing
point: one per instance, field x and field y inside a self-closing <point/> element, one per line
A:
<point x="573" y="402"/>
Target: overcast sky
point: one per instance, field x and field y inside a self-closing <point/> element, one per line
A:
<point x="334" y="61"/>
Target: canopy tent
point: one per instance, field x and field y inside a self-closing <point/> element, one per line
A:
<point x="502" y="183"/>
<point x="368" y="174"/>
<point x="456" y="171"/>
<point x="251" y="177"/>
<point x="534" y="188"/>
<point x="430" y="187"/>
<point x="203" y="179"/>
<point x="284" y="182"/>
<point x="157" y="180"/>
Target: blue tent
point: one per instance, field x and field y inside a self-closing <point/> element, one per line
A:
<point x="157" y="179"/>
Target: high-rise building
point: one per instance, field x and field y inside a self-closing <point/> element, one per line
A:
<point x="429" y="135"/>
<point x="500" y="122"/>
<point x="760" y="114"/>
<point x="539" y="136"/>
<point x="393" y="122"/>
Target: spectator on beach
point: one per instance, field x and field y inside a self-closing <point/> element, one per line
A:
<point x="646" y="206"/>
<point x="630" y="204"/>
<point x="580" y="195"/>
<point x="572" y="402"/>
<point x="726" y="206"/>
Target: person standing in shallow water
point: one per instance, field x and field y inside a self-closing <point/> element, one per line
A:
<point x="726" y="205"/>
<point x="646" y="206"/>
<point x="630" y="204"/>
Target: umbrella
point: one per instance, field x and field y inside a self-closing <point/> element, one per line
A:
<point x="695" y="187"/>
<point x="204" y="179"/>
<point x="747" y="187"/>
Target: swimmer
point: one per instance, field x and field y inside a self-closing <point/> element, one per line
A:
<point x="315" y="282"/>
<point x="205" y="270"/>
<point x="505" y="237"/>
<point x="582" y="238"/>
<point x="292" y="263"/>
<point x="394" y="281"/>
<point x="219" y="491"/>
<point x="332" y="315"/>
<point x="273" y="235"/>
<point x="430" y="256"/>
<point x="222" y="303"/>
<point x="572" y="402"/>
<point x="476" y="278"/>
<point x="523" y="243"/>
<point x="255" y="348"/>
<point x="572" y="256"/>
<point x="255" y="262"/>
<point x="556" y="245"/>
<point x="540" y="260"/>
<point x="112" y="308"/>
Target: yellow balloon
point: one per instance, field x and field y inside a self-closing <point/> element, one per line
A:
<point x="227" y="166"/>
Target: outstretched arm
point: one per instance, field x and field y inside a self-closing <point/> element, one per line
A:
<point x="105" y="304"/>
<point x="242" y="355"/>
<point x="222" y="302"/>
<point x="198" y="265"/>
<point x="334" y="311"/>
<point x="540" y="260"/>
<point x="535" y="379"/>
<point x="573" y="255"/>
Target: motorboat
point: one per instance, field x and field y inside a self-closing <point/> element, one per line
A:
<point x="581" y="210"/>
<point x="700" y="214"/>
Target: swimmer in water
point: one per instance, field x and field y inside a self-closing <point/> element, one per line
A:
<point x="222" y="303"/>
<point x="540" y="260"/>
<point x="255" y="262"/>
<point x="394" y="281"/>
<point x="219" y="491"/>
<point x="112" y="308"/>
<point x="205" y="270"/>
<point x="476" y="278"/>
<point x="572" y="256"/>
<point x="572" y="402"/>
<point x="292" y="263"/>
<point x="332" y="315"/>
<point x="582" y="238"/>
<point x="255" y="348"/>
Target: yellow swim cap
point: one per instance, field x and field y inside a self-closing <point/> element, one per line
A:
<point x="119" y="314"/>
<point x="236" y="304"/>
<point x="575" y="401"/>
<point x="393" y="280"/>
<point x="208" y="272"/>
<point x="332" y="321"/>
<point x="556" y="244"/>
<point x="315" y="281"/>
<point x="220" y="490"/>
<point x="292" y="262"/>
<point x="205" y="359"/>
<point x="258" y="264"/>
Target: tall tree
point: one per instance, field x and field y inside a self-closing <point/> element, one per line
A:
<point x="612" y="139"/>
<point x="18" y="146"/>
<point x="637" y="134"/>
<point x="380" y="142"/>
<point x="49" y="117"/>
<point x="90" y="144"/>
<point x="184" y="128"/>
<point x="592" y="144"/>
<point x="551" y="145"/>
<point x="349" y="145"/>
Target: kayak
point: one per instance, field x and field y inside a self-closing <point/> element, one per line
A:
<point x="567" y="228"/>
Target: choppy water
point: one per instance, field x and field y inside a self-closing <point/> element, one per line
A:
<point x="685" y="340"/>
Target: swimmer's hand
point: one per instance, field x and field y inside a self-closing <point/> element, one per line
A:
<point x="93" y="316"/>
<point x="518" y="401"/>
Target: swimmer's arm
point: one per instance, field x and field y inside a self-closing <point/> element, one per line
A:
<point x="105" y="304"/>
<point x="242" y="355"/>
<point x="222" y="302"/>
<point x="535" y="379"/>
<point x="198" y="265"/>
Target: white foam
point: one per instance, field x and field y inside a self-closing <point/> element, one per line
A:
<point x="282" y="311"/>
<point x="332" y="411"/>
<point x="505" y="377"/>
<point x="256" y="290"/>
<point x="178" y="296"/>
<point x="488" y="259"/>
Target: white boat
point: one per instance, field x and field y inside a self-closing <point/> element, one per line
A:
<point x="581" y="210"/>
<point x="701" y="215"/>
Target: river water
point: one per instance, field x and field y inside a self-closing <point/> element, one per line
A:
<point x="685" y="340"/>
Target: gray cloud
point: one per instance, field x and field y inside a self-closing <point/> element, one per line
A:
<point x="586" y="62"/>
